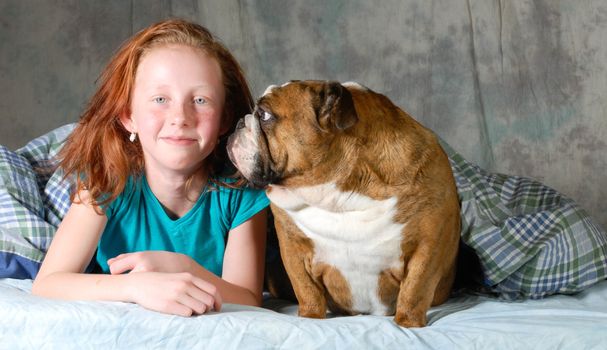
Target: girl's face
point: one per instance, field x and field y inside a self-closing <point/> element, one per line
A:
<point x="176" y="108"/>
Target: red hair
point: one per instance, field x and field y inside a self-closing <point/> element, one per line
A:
<point x="98" y="151"/>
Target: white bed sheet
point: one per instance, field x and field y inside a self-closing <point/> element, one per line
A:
<point x="465" y="322"/>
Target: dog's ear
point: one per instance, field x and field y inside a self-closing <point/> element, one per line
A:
<point x="335" y="107"/>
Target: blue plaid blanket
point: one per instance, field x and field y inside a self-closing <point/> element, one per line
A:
<point x="531" y="241"/>
<point x="33" y="200"/>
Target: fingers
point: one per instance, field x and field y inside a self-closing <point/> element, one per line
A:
<point x="179" y="309"/>
<point x="116" y="257"/>
<point x="211" y="291"/>
<point x="148" y="261"/>
<point x="205" y="300"/>
<point x="180" y="294"/>
<point x="199" y="295"/>
<point x="196" y="305"/>
<point x="120" y="264"/>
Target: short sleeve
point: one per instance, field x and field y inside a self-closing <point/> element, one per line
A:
<point x="245" y="203"/>
<point x="121" y="200"/>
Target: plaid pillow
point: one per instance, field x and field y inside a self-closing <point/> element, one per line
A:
<point x="33" y="199"/>
<point x="531" y="240"/>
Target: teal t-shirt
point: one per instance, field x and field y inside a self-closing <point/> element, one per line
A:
<point x="137" y="222"/>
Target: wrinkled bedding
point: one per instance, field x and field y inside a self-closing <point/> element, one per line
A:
<point x="464" y="322"/>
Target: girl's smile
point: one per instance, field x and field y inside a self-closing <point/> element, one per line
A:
<point x="176" y="109"/>
<point x="179" y="140"/>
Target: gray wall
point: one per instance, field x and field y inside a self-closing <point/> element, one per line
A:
<point x="519" y="87"/>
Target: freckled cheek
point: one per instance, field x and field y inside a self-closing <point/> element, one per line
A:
<point x="144" y="112"/>
<point x="157" y="117"/>
<point x="209" y="120"/>
<point x="150" y="123"/>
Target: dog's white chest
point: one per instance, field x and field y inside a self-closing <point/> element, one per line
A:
<point x="353" y="233"/>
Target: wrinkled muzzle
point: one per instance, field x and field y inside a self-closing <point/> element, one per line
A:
<point x="248" y="151"/>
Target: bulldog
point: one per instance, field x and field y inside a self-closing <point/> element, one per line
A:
<point x="363" y="197"/>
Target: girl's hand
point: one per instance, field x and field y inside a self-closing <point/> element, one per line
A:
<point x="180" y="294"/>
<point x="149" y="261"/>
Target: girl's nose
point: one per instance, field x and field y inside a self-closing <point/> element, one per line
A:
<point x="181" y="116"/>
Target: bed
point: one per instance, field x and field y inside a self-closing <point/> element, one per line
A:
<point x="464" y="322"/>
<point x="34" y="197"/>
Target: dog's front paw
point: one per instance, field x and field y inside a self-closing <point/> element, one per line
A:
<point x="410" y="319"/>
<point x="312" y="311"/>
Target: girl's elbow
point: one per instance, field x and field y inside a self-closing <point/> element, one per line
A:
<point x="37" y="288"/>
<point x="256" y="298"/>
<point x="40" y="286"/>
<point x="248" y="297"/>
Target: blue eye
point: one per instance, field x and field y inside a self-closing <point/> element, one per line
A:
<point x="160" y="100"/>
<point x="200" y="101"/>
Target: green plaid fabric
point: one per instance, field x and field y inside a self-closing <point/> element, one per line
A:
<point x="33" y="200"/>
<point x="531" y="240"/>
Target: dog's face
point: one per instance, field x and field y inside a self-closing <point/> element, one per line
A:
<point x="291" y="131"/>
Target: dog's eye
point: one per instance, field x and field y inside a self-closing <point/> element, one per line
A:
<point x="265" y="116"/>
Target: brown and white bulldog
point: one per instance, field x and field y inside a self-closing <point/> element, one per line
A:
<point x="364" y="200"/>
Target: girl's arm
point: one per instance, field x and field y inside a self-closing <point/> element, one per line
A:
<point x="243" y="263"/>
<point x="61" y="274"/>
<point x="70" y="252"/>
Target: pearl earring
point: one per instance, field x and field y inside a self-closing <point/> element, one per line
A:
<point x="132" y="137"/>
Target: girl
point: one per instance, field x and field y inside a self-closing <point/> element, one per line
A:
<point x="149" y="202"/>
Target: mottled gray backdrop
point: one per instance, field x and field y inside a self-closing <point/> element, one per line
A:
<point x="518" y="86"/>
